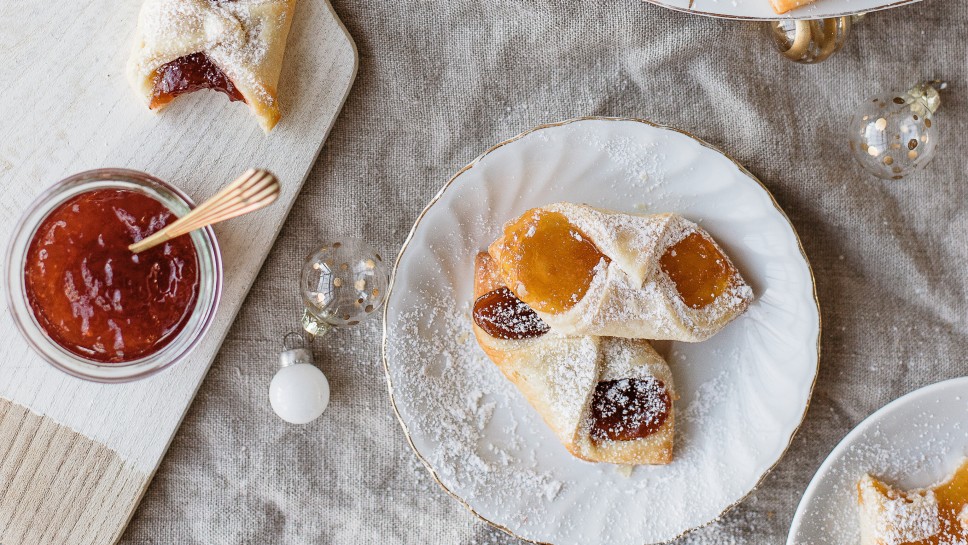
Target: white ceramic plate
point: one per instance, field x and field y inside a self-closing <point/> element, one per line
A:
<point x="914" y="441"/>
<point x="761" y="9"/>
<point x="744" y="392"/>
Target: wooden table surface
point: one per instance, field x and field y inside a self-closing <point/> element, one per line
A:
<point x="76" y="457"/>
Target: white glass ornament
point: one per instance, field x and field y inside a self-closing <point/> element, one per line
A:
<point x="894" y="135"/>
<point x="342" y="284"/>
<point x="299" y="393"/>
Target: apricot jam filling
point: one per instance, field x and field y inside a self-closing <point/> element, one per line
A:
<point x="627" y="409"/>
<point x="952" y="499"/>
<point x="548" y="263"/>
<point x="191" y="73"/>
<point x="700" y="272"/>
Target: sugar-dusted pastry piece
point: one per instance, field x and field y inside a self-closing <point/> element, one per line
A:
<point x="930" y="516"/>
<point x="592" y="272"/>
<point x="232" y="46"/>
<point x="607" y="400"/>
<point x="783" y="6"/>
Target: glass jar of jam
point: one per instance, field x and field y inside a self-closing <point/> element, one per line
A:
<point x="88" y="305"/>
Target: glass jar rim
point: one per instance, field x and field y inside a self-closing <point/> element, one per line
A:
<point x="207" y="251"/>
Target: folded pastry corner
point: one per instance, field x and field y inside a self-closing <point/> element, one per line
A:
<point x="232" y="46"/>
<point x="587" y="271"/>
<point x="890" y="516"/>
<point x="607" y="399"/>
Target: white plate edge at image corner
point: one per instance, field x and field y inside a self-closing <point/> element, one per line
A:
<point x="854" y="437"/>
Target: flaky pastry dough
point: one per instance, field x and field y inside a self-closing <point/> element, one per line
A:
<point x="245" y="39"/>
<point x="558" y="375"/>
<point x="632" y="297"/>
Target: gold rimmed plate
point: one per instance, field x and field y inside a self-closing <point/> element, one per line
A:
<point x="743" y="392"/>
<point x="913" y="442"/>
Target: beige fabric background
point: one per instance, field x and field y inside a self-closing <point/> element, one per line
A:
<point x="440" y="82"/>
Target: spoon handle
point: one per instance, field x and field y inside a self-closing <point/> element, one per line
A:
<point x="253" y="190"/>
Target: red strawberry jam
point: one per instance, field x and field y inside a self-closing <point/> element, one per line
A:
<point x="93" y="296"/>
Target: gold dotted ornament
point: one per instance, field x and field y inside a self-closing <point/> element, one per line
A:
<point x="894" y="135"/>
<point x="342" y="283"/>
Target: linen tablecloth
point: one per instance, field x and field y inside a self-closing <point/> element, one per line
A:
<point x="439" y="83"/>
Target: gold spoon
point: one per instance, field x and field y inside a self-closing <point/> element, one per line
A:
<point x="253" y="190"/>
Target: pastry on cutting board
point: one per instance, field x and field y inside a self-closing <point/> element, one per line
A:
<point x="607" y="399"/>
<point x="232" y="46"/>
<point x="587" y="271"/>
<point x="931" y="516"/>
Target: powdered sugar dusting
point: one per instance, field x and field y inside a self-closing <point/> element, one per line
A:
<point x="910" y="445"/>
<point x="483" y="439"/>
<point x="234" y="34"/>
<point x="458" y="389"/>
<point x="732" y="436"/>
<point x="627" y="405"/>
<point x="632" y="296"/>
<point x="894" y="518"/>
<point x="642" y="162"/>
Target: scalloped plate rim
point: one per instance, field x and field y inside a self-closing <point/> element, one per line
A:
<point x="855" y="436"/>
<point x="437" y="197"/>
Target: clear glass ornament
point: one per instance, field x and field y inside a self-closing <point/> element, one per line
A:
<point x="894" y="135"/>
<point x="810" y="41"/>
<point x="342" y="284"/>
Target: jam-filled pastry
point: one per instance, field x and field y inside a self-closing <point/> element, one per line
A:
<point x="591" y="272"/>
<point x="783" y="6"/>
<point x="607" y="399"/>
<point x="232" y="46"/>
<point x="935" y="516"/>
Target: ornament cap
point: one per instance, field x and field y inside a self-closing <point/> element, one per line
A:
<point x="927" y="94"/>
<point x="295" y="349"/>
<point x="295" y="356"/>
<point x="314" y="325"/>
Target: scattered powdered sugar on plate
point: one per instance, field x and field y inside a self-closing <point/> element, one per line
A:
<point x="641" y="162"/>
<point x="457" y="389"/>
<point x="710" y="395"/>
<point x="453" y="392"/>
<point x="743" y="392"/>
<point x="912" y="443"/>
<point x="640" y="159"/>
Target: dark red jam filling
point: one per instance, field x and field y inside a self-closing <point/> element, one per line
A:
<point x="502" y="315"/>
<point x="627" y="409"/>
<point x="191" y="73"/>
<point x="92" y="295"/>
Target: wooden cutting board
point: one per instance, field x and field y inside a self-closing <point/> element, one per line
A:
<point x="76" y="457"/>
